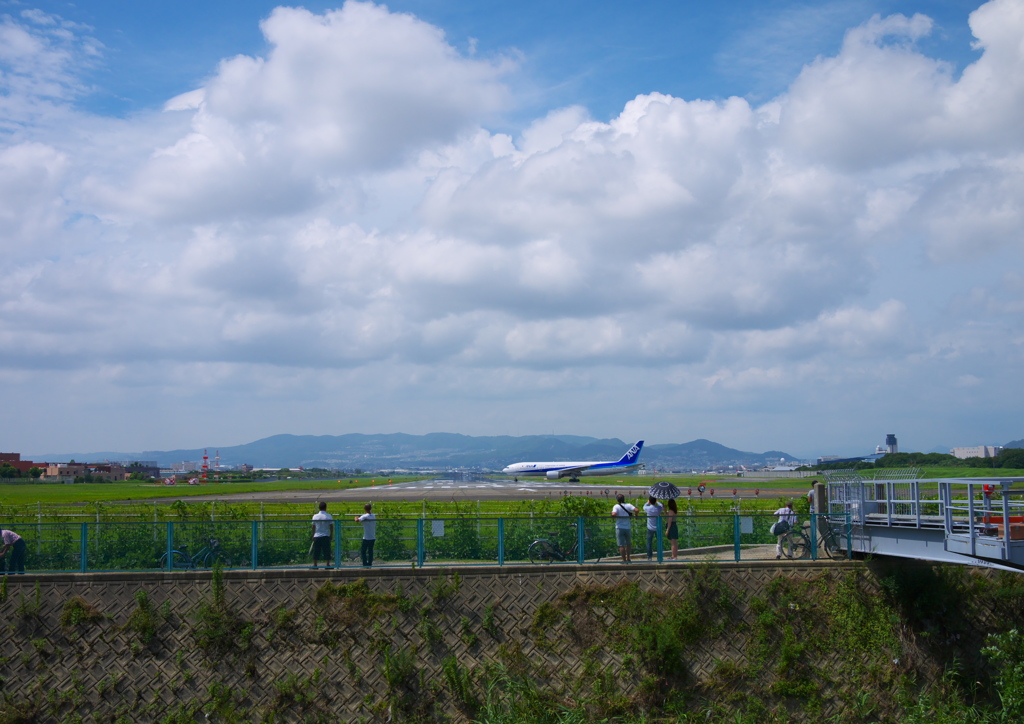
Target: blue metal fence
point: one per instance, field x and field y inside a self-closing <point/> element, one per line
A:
<point x="171" y="546"/>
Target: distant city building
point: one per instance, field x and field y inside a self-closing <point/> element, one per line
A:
<point x="828" y="459"/>
<point x="15" y="461"/>
<point x="978" y="451"/>
<point x="185" y="466"/>
<point x="148" y="468"/>
<point x="67" y="472"/>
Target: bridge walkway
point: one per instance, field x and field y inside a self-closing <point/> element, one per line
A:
<point x="971" y="521"/>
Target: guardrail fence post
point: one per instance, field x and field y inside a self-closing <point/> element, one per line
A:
<point x="170" y="545"/>
<point x="337" y="542"/>
<point x="84" y="545"/>
<point x="661" y="543"/>
<point x="580" y="536"/>
<point x="736" y="536"/>
<point x="421" y="551"/>
<point x="849" y="537"/>
<point x="814" y="537"/>
<point x="501" y="541"/>
<point x="255" y="545"/>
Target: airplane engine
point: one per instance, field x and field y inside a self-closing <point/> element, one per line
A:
<point x="553" y="475"/>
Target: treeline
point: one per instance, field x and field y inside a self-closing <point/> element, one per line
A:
<point x="9" y="471"/>
<point x="1007" y="458"/>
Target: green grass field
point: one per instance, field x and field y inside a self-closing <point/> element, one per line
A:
<point x="134" y="491"/>
<point x="92" y="501"/>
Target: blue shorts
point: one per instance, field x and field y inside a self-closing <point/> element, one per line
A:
<point x="624" y="536"/>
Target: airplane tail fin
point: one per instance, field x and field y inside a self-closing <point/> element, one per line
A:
<point x="634" y="452"/>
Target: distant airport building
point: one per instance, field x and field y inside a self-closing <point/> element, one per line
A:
<point x="978" y="451"/>
<point x="891" y="445"/>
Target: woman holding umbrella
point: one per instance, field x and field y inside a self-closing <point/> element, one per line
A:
<point x="664" y="490"/>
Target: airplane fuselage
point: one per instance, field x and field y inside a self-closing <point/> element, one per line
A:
<point x="573" y="469"/>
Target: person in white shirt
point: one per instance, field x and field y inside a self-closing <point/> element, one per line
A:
<point x="654" y="510"/>
<point x="786" y="515"/>
<point x="323" y="524"/>
<point x="369" y="521"/>
<point x="621" y="514"/>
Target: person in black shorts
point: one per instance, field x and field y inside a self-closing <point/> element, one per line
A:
<point x="323" y="525"/>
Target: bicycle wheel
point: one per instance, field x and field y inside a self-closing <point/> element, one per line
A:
<point x="179" y="561"/>
<point x="829" y="544"/>
<point x="214" y="557"/>
<point x="801" y="548"/>
<point x="540" y="552"/>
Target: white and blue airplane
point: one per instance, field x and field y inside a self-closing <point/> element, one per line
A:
<point x="573" y="470"/>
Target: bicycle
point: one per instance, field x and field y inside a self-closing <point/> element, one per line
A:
<point x="205" y="557"/>
<point x="546" y="550"/>
<point x="798" y="544"/>
<point x="829" y="540"/>
<point x="800" y="541"/>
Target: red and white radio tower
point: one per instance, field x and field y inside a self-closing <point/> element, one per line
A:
<point x="216" y="468"/>
<point x="206" y="464"/>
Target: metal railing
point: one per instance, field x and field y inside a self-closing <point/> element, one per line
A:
<point x="265" y="544"/>
<point x="891" y="502"/>
<point x="984" y="509"/>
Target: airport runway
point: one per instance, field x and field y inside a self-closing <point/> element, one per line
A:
<point x="482" y="488"/>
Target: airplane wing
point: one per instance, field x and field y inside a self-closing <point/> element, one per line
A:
<point x="572" y="472"/>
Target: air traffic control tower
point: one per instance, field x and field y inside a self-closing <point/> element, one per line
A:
<point x="890" y="443"/>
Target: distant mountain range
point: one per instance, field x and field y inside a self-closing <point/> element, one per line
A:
<point x="437" y="451"/>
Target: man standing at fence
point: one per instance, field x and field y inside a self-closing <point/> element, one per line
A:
<point x="369" y="521"/>
<point x="783" y="530"/>
<point x="621" y="513"/>
<point x="322" y="525"/>
<point x="17" y="545"/>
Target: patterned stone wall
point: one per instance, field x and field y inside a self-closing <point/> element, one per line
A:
<point x="301" y="645"/>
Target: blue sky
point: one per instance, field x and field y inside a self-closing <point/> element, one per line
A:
<point x="771" y="224"/>
<point x="594" y="54"/>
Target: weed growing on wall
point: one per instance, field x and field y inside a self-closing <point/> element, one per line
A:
<point x="408" y="697"/>
<point x="144" y="622"/>
<point x="78" y="612"/>
<point x="489" y="622"/>
<point x="511" y="697"/>
<point x="14" y="710"/>
<point x="28" y="608"/>
<point x="460" y="682"/>
<point x="349" y="607"/>
<point x="282" y="622"/>
<point x="218" y="629"/>
<point x="443" y="589"/>
<point x="1006" y="651"/>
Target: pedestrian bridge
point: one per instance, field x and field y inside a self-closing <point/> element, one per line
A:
<point x="972" y="521"/>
